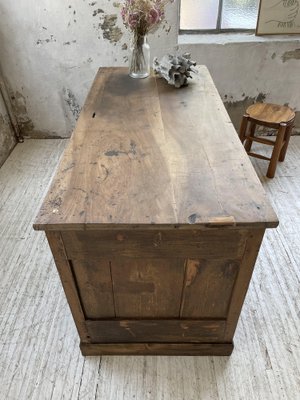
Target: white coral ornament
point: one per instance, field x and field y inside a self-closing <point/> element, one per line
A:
<point x="175" y="69"/>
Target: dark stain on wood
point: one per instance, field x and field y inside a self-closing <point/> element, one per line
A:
<point x="116" y="153"/>
<point x="57" y="202"/>
<point x="124" y="86"/>
<point x="69" y="167"/>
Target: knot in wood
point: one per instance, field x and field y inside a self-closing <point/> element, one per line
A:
<point x="120" y="237"/>
<point x="157" y="240"/>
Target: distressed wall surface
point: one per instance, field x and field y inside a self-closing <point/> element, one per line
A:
<point x="51" y="50"/>
<point x="247" y="69"/>
<point x="7" y="138"/>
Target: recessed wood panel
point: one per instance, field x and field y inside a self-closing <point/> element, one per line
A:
<point x="215" y="244"/>
<point x="93" y="280"/>
<point x="139" y="331"/>
<point x="147" y="288"/>
<point x="208" y="288"/>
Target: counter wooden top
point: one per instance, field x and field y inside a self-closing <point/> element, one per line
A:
<point x="147" y="155"/>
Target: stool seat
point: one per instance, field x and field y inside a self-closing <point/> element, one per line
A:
<point x="270" y="113"/>
<point x="273" y="116"/>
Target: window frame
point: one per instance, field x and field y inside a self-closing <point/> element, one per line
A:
<point x="218" y="28"/>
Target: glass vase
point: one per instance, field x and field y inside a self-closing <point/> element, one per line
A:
<point x="139" y="62"/>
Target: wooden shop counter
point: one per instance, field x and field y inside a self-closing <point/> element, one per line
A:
<point x="155" y="217"/>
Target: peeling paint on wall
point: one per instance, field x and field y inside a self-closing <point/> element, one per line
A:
<point x="44" y="41"/>
<point x="291" y="55"/>
<point x="18" y="101"/>
<point x="73" y="13"/>
<point x="236" y="109"/>
<point x="72" y="102"/>
<point x="7" y="139"/>
<point x="69" y="43"/>
<point x="261" y="98"/>
<point x="39" y="68"/>
<point x="111" y="32"/>
<point x="98" y="11"/>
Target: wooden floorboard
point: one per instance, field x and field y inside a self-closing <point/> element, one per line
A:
<point x="39" y="346"/>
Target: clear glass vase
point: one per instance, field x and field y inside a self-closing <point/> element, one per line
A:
<point x="139" y="62"/>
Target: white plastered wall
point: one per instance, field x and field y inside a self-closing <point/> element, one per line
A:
<point x="51" y="49"/>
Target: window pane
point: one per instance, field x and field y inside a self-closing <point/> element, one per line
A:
<point x="198" y="14"/>
<point x="239" y="14"/>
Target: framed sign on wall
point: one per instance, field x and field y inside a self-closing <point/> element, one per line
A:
<point x="278" y="17"/>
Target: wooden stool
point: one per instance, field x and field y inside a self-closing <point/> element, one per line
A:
<point x="273" y="116"/>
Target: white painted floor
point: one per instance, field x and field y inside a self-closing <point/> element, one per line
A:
<point x="39" y="353"/>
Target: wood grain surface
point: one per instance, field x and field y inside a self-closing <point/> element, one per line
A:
<point x="215" y="243"/>
<point x="163" y="349"/>
<point x="271" y="113"/>
<point x="144" y="154"/>
<point x="156" y="331"/>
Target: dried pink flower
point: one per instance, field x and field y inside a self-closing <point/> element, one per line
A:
<point x="153" y="16"/>
<point x="141" y="16"/>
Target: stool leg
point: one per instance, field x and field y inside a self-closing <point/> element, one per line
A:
<point x="287" y="137"/>
<point x="276" y="151"/>
<point x="243" y="128"/>
<point x="248" y="144"/>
